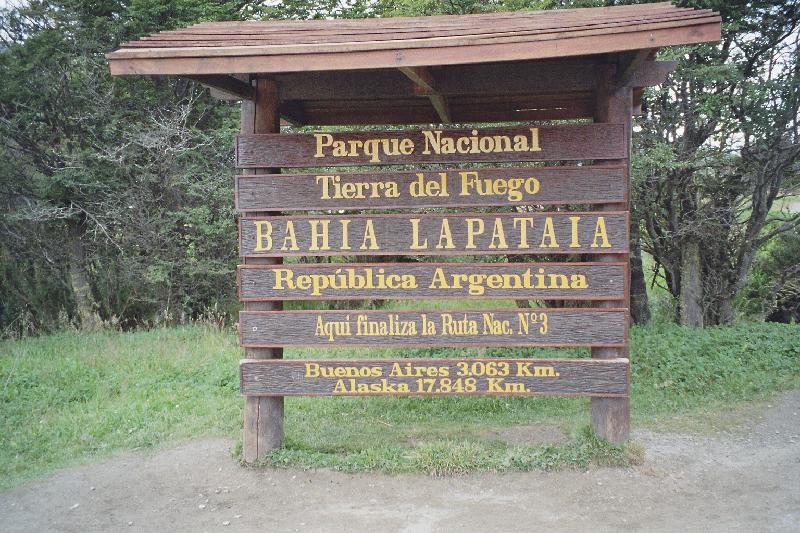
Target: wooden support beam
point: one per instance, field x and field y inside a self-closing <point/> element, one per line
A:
<point x="628" y="64"/>
<point x="636" y="108"/>
<point x="230" y="88"/>
<point x="524" y="78"/>
<point x="263" y="416"/>
<point x="651" y="73"/>
<point x="423" y="81"/>
<point x="439" y="103"/>
<point x="424" y="85"/>
<point x="610" y="417"/>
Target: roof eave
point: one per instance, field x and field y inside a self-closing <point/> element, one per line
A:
<point x="208" y="61"/>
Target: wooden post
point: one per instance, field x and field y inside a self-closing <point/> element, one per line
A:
<point x="263" y="416"/>
<point x="611" y="416"/>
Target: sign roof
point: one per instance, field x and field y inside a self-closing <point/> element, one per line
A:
<point x="248" y="47"/>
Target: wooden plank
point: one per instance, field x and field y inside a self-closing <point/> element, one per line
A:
<point x="436" y="377"/>
<point x="462" y="109"/>
<point x="435" y="234"/>
<point x="430" y="23"/>
<point x="248" y="60"/>
<point x="330" y="36"/>
<point x="540" y="78"/>
<point x="520" y="26"/>
<point x="476" y="187"/>
<point x="398" y="27"/>
<point x="651" y="73"/>
<point x="444" y="281"/>
<point x="543" y="143"/>
<point x="435" y="21"/>
<point x="618" y="28"/>
<point x="551" y="327"/>
<point x="227" y="85"/>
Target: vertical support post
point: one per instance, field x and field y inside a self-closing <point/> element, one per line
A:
<point x="611" y="416"/>
<point x="263" y="416"/>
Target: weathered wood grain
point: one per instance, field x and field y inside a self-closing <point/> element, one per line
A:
<point x="413" y="281"/>
<point x="426" y="188"/>
<point x="435" y="234"/>
<point x="544" y="143"/>
<point x="263" y="417"/>
<point x="492" y="327"/>
<point x="610" y="417"/>
<point x="436" y="377"/>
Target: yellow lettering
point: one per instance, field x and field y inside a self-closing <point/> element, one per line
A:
<point x="263" y="232"/>
<point x="416" y="245"/>
<point x="574" y="243"/>
<point x="523" y="223"/>
<point x="445" y="234"/>
<point x="498" y="235"/>
<point x="369" y="235"/>
<point x="290" y="237"/>
<point x="475" y="227"/>
<point x="317" y="235"/>
<point x="345" y="234"/>
<point x="601" y="233"/>
<point x="548" y="233"/>
<point x="323" y="140"/>
<point x="535" y="140"/>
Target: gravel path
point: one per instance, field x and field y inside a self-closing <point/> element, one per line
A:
<point x="743" y="480"/>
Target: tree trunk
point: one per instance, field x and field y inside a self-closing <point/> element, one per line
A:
<point x="725" y="314"/>
<point x="640" y="306"/>
<point x="691" y="308"/>
<point x="84" y="300"/>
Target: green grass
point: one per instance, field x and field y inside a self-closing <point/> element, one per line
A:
<point x="76" y="396"/>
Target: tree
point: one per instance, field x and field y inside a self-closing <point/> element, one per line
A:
<point x="719" y="144"/>
<point x="117" y="189"/>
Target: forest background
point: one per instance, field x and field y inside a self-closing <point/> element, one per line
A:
<point x="116" y="194"/>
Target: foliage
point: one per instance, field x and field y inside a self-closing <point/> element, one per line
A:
<point x="115" y="192"/>
<point x="773" y="288"/>
<point x="719" y="144"/>
<point x="76" y="396"/>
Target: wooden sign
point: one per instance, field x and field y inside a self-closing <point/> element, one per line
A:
<point x="435" y="377"/>
<point x="432" y="188"/>
<point x="493" y="327"/>
<point x="522" y="143"/>
<point x="414" y="281"/>
<point x="435" y="234"/>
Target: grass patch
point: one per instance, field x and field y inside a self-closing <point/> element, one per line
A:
<point x="76" y="396"/>
<point x="456" y="457"/>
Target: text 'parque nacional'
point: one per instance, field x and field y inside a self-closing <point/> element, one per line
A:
<point x="513" y="144"/>
<point x="434" y="142"/>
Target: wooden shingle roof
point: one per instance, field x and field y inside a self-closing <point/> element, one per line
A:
<point x="490" y="67"/>
<point x="297" y="46"/>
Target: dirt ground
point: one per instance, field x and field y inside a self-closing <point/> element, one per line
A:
<point x="747" y="479"/>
